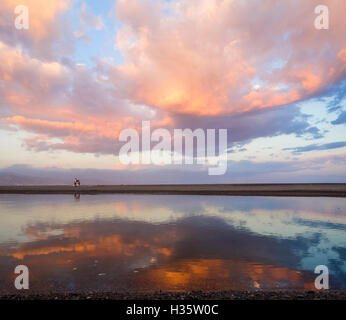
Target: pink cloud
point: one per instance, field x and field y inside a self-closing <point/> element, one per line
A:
<point x="46" y="25"/>
<point x="181" y="60"/>
<point x="201" y="59"/>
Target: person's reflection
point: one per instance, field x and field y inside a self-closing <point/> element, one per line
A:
<point x="77" y="196"/>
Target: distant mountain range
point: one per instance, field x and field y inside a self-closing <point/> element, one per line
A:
<point x="20" y="174"/>
<point x="25" y="175"/>
<point x="10" y="179"/>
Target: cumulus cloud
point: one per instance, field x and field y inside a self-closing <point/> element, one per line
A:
<point x="218" y="64"/>
<point x="202" y="60"/>
<point x="60" y="101"/>
<point x="47" y="24"/>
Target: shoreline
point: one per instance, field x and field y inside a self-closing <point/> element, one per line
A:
<point x="192" y="295"/>
<point x="293" y="189"/>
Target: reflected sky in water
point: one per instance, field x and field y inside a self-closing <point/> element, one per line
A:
<point x="175" y="243"/>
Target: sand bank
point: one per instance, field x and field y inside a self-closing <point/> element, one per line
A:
<point x="304" y="189"/>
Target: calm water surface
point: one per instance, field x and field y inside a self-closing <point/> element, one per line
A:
<point x="175" y="243"/>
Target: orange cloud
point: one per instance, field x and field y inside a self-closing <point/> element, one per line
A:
<point x="180" y="59"/>
<point x="342" y="55"/>
<point x="214" y="274"/>
<point x="201" y="59"/>
<point x="69" y="127"/>
<point x="43" y="16"/>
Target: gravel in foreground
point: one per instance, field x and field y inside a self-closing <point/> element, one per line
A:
<point x="193" y="295"/>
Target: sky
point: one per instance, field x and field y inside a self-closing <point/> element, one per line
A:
<point x="85" y="70"/>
